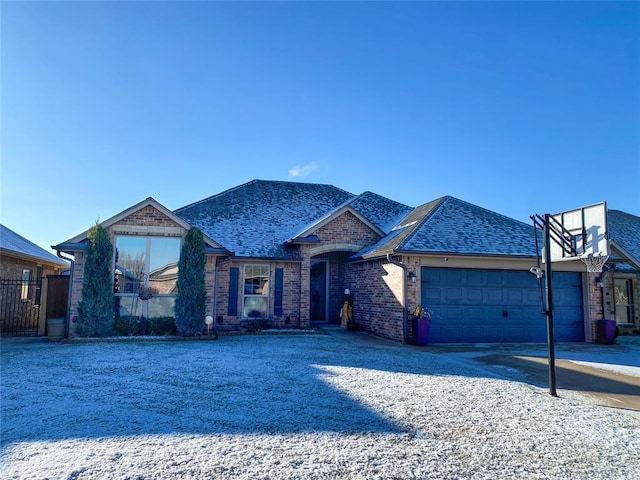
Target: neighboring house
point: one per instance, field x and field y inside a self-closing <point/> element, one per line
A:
<point x="289" y="254"/>
<point x="21" y="258"/>
<point x="621" y="283"/>
<point x="23" y="265"/>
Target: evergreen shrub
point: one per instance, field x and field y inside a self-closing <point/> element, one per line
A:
<point x="190" y="307"/>
<point x="96" y="307"/>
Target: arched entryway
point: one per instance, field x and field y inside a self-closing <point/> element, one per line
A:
<point x="327" y="282"/>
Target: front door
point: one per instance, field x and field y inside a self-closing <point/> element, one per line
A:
<point x="318" y="291"/>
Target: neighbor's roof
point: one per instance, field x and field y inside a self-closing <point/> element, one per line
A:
<point x="452" y="226"/>
<point x="624" y="234"/>
<point x="12" y="242"/>
<point x="255" y="219"/>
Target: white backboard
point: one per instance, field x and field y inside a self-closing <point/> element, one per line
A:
<point x="587" y="226"/>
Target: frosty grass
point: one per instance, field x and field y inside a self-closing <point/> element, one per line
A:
<point x="292" y="406"/>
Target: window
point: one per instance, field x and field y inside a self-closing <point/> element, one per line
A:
<point x="146" y="265"/>
<point x="255" y="299"/>
<point x="26" y="278"/>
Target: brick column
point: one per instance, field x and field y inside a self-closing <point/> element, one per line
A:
<point x="595" y="310"/>
<point x="305" y="288"/>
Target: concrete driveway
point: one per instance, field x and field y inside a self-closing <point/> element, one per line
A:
<point x="608" y="374"/>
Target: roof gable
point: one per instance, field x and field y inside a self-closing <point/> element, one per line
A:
<point x="334" y="215"/>
<point x="12" y="242"/>
<point x="148" y="202"/>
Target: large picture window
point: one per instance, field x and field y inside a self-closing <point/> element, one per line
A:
<point x="255" y="299"/>
<point x="146" y="266"/>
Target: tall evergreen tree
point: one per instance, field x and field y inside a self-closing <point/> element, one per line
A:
<point x="95" y="311"/>
<point x="190" y="307"/>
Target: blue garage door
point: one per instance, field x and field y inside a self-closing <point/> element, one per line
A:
<point x="481" y="306"/>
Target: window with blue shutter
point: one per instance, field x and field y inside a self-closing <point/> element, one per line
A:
<point x="232" y="308"/>
<point x="278" y="292"/>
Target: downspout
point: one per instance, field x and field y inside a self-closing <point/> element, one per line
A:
<point x="67" y="321"/>
<point x="405" y="323"/>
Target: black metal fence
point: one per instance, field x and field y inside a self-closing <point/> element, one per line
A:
<point x="19" y="307"/>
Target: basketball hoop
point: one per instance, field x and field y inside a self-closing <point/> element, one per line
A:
<point x="594" y="262"/>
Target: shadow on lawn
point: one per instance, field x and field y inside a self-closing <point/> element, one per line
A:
<point x="247" y="385"/>
<point x="262" y="385"/>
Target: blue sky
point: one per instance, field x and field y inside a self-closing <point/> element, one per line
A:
<point x="518" y="107"/>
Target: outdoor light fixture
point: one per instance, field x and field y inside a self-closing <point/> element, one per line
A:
<point x="209" y="321"/>
<point x="412" y="276"/>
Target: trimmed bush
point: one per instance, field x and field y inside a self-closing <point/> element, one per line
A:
<point x="190" y="308"/>
<point x="95" y="310"/>
<point x="126" y="326"/>
<point x="162" y="326"/>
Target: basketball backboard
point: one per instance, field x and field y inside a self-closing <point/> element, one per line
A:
<point x="582" y="231"/>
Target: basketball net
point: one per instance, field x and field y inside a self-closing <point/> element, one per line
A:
<point x="594" y="262"/>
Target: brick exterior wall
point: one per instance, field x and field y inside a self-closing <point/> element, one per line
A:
<point x="377" y="289"/>
<point x="148" y="221"/>
<point x="594" y="308"/>
<point x="11" y="268"/>
<point x="346" y="228"/>
<point x="146" y="216"/>
<point x="290" y="317"/>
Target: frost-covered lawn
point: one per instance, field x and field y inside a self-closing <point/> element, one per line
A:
<point x="299" y="406"/>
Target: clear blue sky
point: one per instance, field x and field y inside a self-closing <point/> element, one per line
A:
<point x="517" y="107"/>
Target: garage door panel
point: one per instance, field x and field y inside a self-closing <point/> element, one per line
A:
<point x="499" y="306"/>
<point x="454" y="295"/>
<point x="432" y="296"/>
<point x="493" y="296"/>
<point x="474" y="295"/>
<point x="476" y="278"/>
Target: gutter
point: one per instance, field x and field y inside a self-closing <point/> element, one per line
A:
<point x="67" y="321"/>
<point x="405" y="316"/>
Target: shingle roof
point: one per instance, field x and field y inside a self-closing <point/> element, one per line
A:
<point x="381" y="211"/>
<point x="450" y="225"/>
<point x="256" y="218"/>
<point x="624" y="230"/>
<point x="11" y="241"/>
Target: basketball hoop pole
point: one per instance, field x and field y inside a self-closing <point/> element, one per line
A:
<point x="549" y="302"/>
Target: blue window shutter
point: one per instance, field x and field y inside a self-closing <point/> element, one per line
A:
<point x="232" y="308"/>
<point x="279" y="288"/>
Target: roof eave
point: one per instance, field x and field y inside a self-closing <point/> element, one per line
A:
<point x="626" y="253"/>
<point x="5" y="252"/>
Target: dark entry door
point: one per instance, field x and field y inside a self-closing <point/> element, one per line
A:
<point x="318" y="291"/>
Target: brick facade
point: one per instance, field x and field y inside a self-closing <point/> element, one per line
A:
<point x="290" y="317"/>
<point x="11" y="268"/>
<point x="594" y="308"/>
<point x="378" y="298"/>
<point x="346" y="229"/>
<point x="383" y="292"/>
